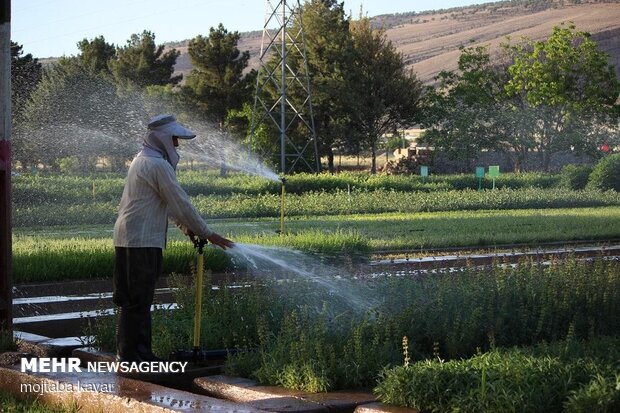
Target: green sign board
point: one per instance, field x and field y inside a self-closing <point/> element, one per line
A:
<point x="423" y="170"/>
<point x="494" y="171"/>
<point x="479" y="171"/>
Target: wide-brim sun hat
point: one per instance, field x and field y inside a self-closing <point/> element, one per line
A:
<point x="168" y="123"/>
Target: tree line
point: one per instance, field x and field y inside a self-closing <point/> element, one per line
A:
<point x="532" y="96"/>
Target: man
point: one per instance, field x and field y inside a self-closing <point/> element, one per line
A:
<point x="151" y="195"/>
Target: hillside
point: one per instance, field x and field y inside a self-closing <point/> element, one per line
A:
<point x="430" y="41"/>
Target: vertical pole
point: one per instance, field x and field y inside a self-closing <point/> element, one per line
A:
<point x="283" y="96"/>
<point x="6" y="313"/>
<point x="200" y="269"/>
<point x="282" y="206"/>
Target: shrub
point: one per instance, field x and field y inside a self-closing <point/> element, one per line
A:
<point x="543" y="378"/>
<point x="449" y="315"/>
<point x="574" y="176"/>
<point x="600" y="395"/>
<point x="606" y="174"/>
<point x="69" y="164"/>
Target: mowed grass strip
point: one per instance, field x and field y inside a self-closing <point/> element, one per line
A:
<point x="60" y="253"/>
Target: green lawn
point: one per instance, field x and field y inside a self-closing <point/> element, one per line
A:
<point x="401" y="230"/>
<point x="63" y="252"/>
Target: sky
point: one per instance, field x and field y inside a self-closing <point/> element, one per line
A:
<point x="51" y="28"/>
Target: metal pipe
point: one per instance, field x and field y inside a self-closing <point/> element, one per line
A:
<point x="283" y="95"/>
<point x="6" y="282"/>
<point x="199" y="290"/>
<point x="282" y="206"/>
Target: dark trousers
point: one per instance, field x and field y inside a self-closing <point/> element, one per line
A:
<point x="135" y="273"/>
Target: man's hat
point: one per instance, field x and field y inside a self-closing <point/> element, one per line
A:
<point x="167" y="123"/>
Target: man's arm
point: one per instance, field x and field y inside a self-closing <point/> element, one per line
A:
<point x="182" y="211"/>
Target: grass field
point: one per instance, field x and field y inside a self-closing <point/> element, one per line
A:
<point x="68" y="252"/>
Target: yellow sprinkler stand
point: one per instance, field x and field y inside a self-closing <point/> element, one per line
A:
<point x="199" y="280"/>
<point x="282" y="206"/>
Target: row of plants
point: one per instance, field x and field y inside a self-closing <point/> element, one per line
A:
<point x="108" y="187"/>
<point x="64" y="253"/>
<point x="570" y="376"/>
<point x="312" y="336"/>
<point x="337" y="203"/>
<point x="37" y="259"/>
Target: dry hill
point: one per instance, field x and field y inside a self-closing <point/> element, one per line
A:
<point x="430" y="41"/>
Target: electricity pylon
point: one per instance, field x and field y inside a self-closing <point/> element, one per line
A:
<point x="283" y="38"/>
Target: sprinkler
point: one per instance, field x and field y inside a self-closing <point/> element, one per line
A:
<point x="281" y="230"/>
<point x="196" y="354"/>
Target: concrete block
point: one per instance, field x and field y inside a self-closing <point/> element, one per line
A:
<point x="383" y="408"/>
<point x="109" y="392"/>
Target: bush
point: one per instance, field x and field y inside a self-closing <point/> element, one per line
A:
<point x="564" y="376"/>
<point x="450" y="315"/>
<point x="69" y="164"/>
<point x="574" y="176"/>
<point x="606" y="174"/>
<point x="600" y="395"/>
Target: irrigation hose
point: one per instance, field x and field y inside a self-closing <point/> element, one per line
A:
<point x="199" y="281"/>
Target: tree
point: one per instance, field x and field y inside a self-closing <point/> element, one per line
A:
<point x="468" y="111"/>
<point x="387" y="94"/>
<point x="95" y="55"/>
<point x="330" y="56"/>
<point x="217" y="83"/>
<point x="26" y="73"/>
<point x="570" y="85"/>
<point x="261" y="142"/>
<point x="76" y="113"/>
<point x="142" y="63"/>
<point x="541" y="97"/>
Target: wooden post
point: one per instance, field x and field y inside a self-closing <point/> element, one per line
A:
<point x="6" y="298"/>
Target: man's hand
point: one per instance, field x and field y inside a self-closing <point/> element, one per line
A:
<point x="220" y="241"/>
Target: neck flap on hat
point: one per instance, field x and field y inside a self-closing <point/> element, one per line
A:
<point x="160" y="141"/>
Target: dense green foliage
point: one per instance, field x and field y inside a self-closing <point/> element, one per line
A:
<point x="387" y="93"/>
<point x="575" y="176"/>
<point x="546" y="96"/>
<point x="330" y="52"/>
<point x="41" y="259"/>
<point x="314" y="336"/>
<point x="95" y="55"/>
<point x="606" y="174"/>
<point x="569" y="376"/>
<point x="338" y="203"/>
<point x="216" y="83"/>
<point x="141" y="63"/>
<point x="26" y="72"/>
<point x="77" y="189"/>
